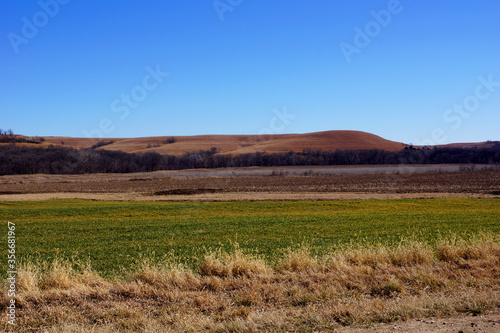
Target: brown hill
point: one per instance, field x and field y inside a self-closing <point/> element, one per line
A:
<point x="234" y="144"/>
<point x="486" y="144"/>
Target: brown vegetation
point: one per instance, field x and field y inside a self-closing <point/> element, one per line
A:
<point x="239" y="292"/>
<point x="237" y="144"/>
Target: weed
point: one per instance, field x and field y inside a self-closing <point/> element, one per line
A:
<point x="238" y="291"/>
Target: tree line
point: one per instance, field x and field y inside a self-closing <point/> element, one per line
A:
<point x="9" y="136"/>
<point x="66" y="160"/>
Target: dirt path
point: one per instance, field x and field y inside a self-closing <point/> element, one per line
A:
<point x="482" y="323"/>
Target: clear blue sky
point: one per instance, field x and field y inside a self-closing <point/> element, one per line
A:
<point x="75" y="67"/>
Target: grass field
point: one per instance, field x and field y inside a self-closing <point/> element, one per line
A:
<point x="116" y="235"/>
<point x="250" y="266"/>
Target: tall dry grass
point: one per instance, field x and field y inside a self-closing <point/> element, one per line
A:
<point x="240" y="292"/>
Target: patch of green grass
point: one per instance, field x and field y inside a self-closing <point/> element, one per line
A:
<point x="113" y="235"/>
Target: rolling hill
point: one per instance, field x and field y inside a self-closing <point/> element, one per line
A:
<point x="486" y="144"/>
<point x="233" y="144"/>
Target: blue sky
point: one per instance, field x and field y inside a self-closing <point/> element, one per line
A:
<point x="419" y="72"/>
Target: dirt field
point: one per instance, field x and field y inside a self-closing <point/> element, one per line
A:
<point x="292" y="183"/>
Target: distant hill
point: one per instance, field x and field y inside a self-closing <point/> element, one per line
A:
<point x="232" y="144"/>
<point x="487" y="144"/>
<point x="19" y="154"/>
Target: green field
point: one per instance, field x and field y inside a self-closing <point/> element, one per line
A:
<point x="113" y="235"/>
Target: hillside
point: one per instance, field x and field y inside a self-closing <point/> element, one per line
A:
<point x="486" y="144"/>
<point x="235" y="144"/>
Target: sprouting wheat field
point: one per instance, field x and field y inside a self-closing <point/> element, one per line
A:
<point x="250" y="266"/>
<point x="115" y="236"/>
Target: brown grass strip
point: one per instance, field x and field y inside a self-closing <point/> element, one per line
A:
<point x="240" y="292"/>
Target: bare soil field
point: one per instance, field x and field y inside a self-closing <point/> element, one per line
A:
<point x="274" y="183"/>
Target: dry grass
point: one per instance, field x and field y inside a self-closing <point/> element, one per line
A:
<point x="239" y="292"/>
<point x="237" y="144"/>
<point x="236" y="264"/>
